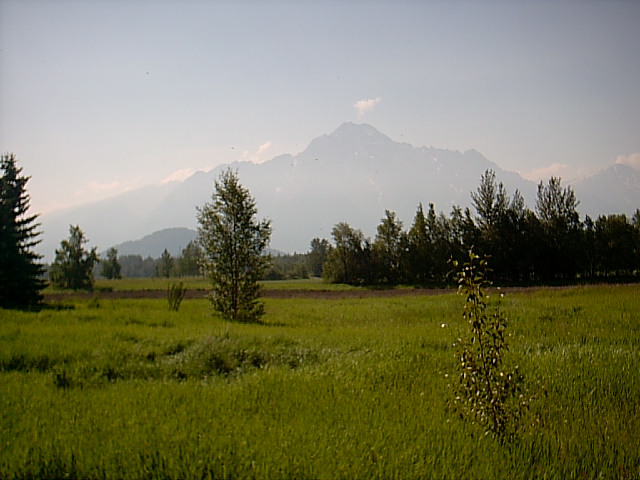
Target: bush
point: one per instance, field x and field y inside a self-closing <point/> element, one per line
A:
<point x="175" y="295"/>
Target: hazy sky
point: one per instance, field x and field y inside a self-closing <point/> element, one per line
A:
<point x="97" y="97"/>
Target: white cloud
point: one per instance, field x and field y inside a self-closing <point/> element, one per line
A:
<point x="180" y="175"/>
<point x="259" y="155"/>
<point x="365" y="106"/>
<point x="98" y="190"/>
<point x="631" y="160"/>
<point x="544" y="173"/>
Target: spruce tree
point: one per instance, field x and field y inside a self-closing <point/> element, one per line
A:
<point x="21" y="273"/>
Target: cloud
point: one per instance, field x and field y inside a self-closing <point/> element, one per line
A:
<point x="97" y="188"/>
<point x="365" y="106"/>
<point x="631" y="160"/>
<point x="544" y="173"/>
<point x="180" y="175"/>
<point x="258" y="156"/>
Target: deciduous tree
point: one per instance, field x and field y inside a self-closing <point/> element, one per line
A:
<point x="557" y="210"/>
<point x="73" y="265"/>
<point x="349" y="261"/>
<point x="233" y="242"/>
<point x="388" y="248"/>
<point x="317" y="256"/>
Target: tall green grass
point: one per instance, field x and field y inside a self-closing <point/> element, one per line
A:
<point x="326" y="389"/>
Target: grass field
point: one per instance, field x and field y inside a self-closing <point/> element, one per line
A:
<point x="324" y="389"/>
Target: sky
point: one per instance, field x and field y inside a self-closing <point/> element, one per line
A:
<point x="100" y="97"/>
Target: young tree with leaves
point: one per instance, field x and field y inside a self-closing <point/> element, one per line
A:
<point x="73" y="265"/>
<point x="20" y="271"/>
<point x="487" y="393"/>
<point x="233" y="242"/>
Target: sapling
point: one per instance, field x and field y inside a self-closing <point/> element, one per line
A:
<point x="487" y="394"/>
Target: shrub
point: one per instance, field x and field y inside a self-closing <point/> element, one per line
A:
<point x="175" y="295"/>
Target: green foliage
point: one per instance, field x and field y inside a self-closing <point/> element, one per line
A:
<point x="550" y="245"/>
<point x="20" y="270"/>
<point x="317" y="256"/>
<point x="188" y="263"/>
<point x="175" y="295"/>
<point x="486" y="393"/>
<point x="165" y="265"/>
<point x="134" y="266"/>
<point x="388" y="248"/>
<point x="339" y="389"/>
<point x="350" y="260"/>
<point x="110" y="266"/>
<point x="233" y="244"/>
<point x="561" y="229"/>
<point x="73" y="265"/>
<point x="287" y="267"/>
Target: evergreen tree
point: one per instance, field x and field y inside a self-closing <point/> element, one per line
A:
<point x="73" y="266"/>
<point x="20" y="271"/>
<point x="233" y="244"/>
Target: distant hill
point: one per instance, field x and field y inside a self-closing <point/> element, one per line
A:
<point x="173" y="239"/>
<point x="351" y="175"/>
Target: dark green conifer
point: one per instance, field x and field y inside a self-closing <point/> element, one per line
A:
<point x="21" y="274"/>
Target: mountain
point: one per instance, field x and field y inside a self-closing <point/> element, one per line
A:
<point x="105" y="223"/>
<point x="613" y="190"/>
<point x="350" y="175"/>
<point x="152" y="245"/>
<point x="173" y="239"/>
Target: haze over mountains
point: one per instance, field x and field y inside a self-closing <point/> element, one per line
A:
<point x="351" y="175"/>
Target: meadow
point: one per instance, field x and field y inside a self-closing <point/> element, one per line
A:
<point x="347" y="388"/>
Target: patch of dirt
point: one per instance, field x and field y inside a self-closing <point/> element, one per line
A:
<point x="283" y="294"/>
<point x="195" y="294"/>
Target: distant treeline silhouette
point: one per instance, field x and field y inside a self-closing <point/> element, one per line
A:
<point x="550" y="244"/>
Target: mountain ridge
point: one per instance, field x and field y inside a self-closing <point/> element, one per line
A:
<point x="353" y="174"/>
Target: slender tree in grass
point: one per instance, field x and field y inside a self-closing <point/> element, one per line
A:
<point x="73" y="265"/>
<point x="487" y="393"/>
<point x="233" y="242"/>
<point x="20" y="271"/>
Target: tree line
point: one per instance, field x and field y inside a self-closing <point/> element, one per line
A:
<point x="549" y="244"/>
